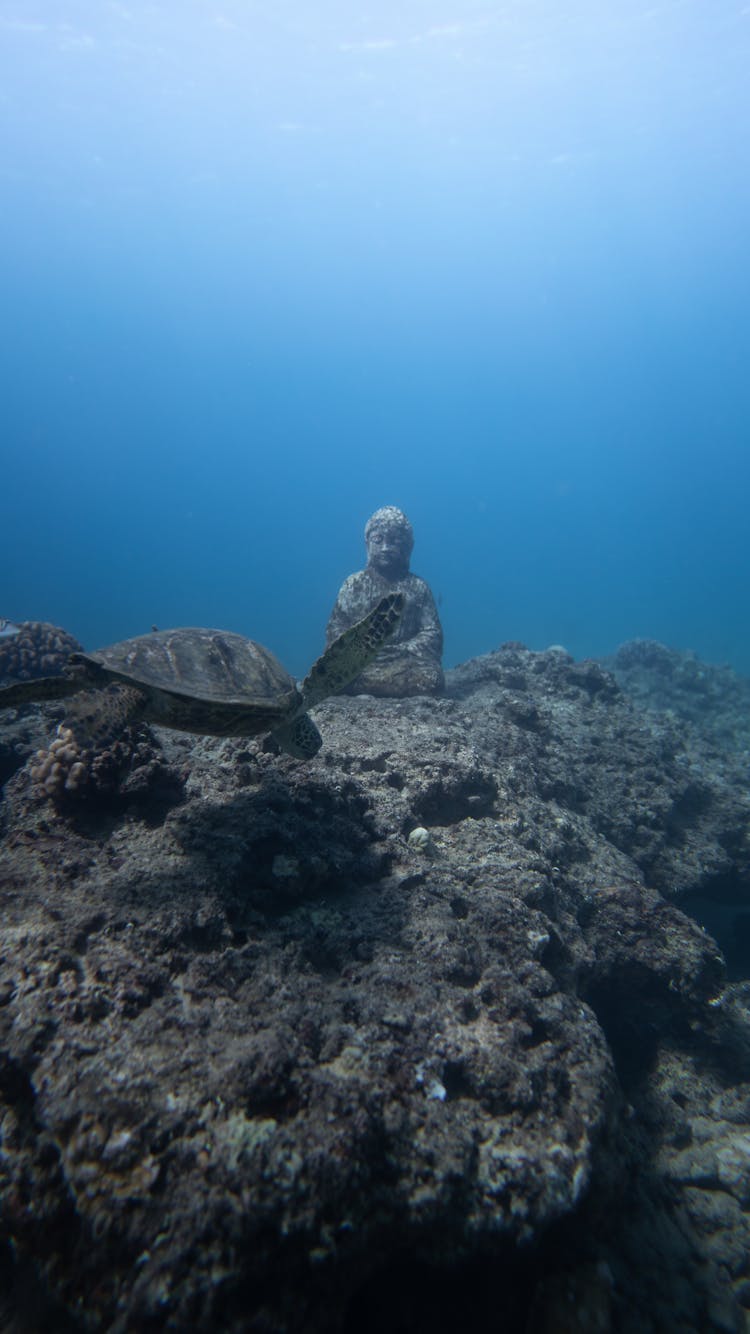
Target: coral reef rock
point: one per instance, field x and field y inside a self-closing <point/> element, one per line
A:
<point x="267" y="1066"/>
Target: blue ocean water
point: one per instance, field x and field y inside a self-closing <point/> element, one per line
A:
<point x="268" y="265"/>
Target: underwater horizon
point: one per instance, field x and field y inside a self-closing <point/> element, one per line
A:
<point x="269" y="267"/>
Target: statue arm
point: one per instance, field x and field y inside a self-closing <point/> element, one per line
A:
<point x="428" y="640"/>
<point x="346" y="610"/>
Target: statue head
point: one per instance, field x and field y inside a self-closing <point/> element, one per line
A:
<point x="389" y="537"/>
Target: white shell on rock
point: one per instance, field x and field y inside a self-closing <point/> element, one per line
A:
<point x="420" y="840"/>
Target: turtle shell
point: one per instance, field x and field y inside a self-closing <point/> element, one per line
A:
<point x="212" y="665"/>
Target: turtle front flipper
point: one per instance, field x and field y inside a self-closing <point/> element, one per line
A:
<point x="348" y="655"/>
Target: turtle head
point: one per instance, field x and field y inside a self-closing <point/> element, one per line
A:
<point x="299" y="737"/>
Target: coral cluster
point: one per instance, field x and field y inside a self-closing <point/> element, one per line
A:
<point x="130" y="769"/>
<point x="39" y="649"/>
<point x="62" y="768"/>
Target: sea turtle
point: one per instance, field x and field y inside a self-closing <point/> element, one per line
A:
<point x="210" y="682"/>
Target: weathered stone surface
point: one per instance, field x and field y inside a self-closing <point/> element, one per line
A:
<point x="265" y="1064"/>
<point x="411" y="662"/>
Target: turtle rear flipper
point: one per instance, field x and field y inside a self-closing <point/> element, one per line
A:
<point x="35" y="692"/>
<point x="348" y="655"/>
<point x="96" y="717"/>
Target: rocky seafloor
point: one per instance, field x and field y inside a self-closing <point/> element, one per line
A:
<point x="268" y="1063"/>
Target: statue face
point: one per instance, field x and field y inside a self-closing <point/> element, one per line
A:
<point x="388" y="551"/>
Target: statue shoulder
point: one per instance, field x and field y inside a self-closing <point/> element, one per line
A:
<point x="417" y="586"/>
<point x="355" y="585"/>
